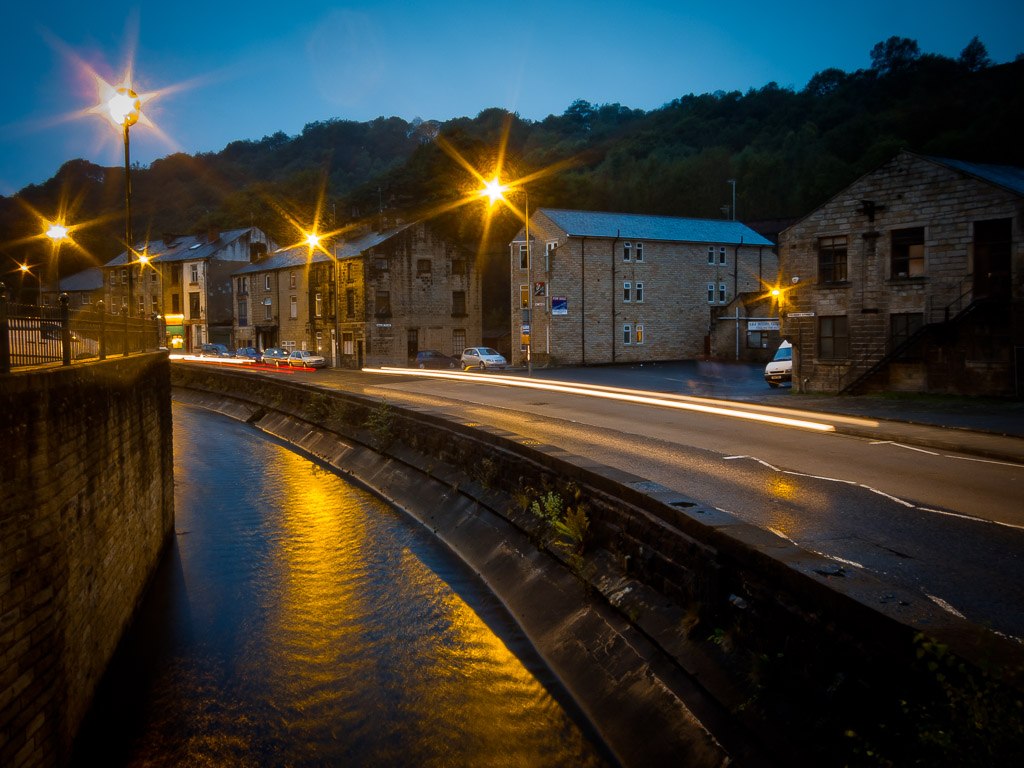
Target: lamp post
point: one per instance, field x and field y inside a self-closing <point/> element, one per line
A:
<point x="124" y="107"/>
<point x="57" y="233"/>
<point x="495" y="190"/>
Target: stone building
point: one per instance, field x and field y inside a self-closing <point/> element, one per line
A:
<point x="84" y="289"/>
<point x="187" y="280"/>
<point x="618" y="288"/>
<point x="911" y="278"/>
<point x="376" y="299"/>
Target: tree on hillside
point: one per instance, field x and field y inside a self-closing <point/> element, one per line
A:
<point x="897" y="54"/>
<point x="975" y="56"/>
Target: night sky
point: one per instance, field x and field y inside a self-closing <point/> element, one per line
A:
<point x="228" y="71"/>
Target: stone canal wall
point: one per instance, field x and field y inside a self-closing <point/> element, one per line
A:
<point x="86" y="508"/>
<point x="687" y="636"/>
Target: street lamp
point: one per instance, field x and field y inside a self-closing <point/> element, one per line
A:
<point x="495" y="190"/>
<point x="124" y="107"/>
<point x="57" y="233"/>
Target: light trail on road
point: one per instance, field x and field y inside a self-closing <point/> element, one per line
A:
<point x="614" y="393"/>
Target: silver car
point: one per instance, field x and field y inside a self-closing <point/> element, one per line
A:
<point x="482" y="358"/>
<point x="304" y="358"/>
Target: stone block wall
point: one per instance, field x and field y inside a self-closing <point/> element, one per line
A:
<point x="86" y="508"/>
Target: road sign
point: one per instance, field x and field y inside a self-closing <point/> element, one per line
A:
<point x="800" y="314"/>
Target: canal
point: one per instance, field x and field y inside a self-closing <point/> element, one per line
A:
<point x="298" y="620"/>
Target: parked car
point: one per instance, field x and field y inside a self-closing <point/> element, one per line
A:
<point x="251" y="354"/>
<point x="216" y="350"/>
<point x="780" y="369"/>
<point x="431" y="358"/>
<point x="304" y="358"/>
<point x="483" y="358"/>
<point x="276" y="356"/>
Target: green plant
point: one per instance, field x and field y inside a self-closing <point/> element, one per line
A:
<point x="381" y="426"/>
<point x="487" y="473"/>
<point x="317" y="409"/>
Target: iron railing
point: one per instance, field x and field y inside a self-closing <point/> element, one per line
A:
<point x="34" y="335"/>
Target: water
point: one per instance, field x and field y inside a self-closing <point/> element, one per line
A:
<point x="299" y="621"/>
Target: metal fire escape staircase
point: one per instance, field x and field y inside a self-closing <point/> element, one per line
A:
<point x="880" y="357"/>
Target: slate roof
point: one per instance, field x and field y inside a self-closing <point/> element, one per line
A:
<point x="298" y="256"/>
<point x="186" y="248"/>
<point x="1008" y="176"/>
<point x="634" y="226"/>
<point x="87" y="280"/>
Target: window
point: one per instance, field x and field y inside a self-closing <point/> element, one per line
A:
<point x="721" y="256"/>
<point x="266" y="282"/>
<point x="243" y="285"/>
<point x="639" y="257"/>
<point x="268" y="310"/>
<point x="627" y="251"/>
<point x="458" y="303"/>
<point x="458" y="266"/>
<point x="833" y="338"/>
<point x="908" y="252"/>
<point x="193" y="305"/>
<point x="243" y="312"/>
<point x="113" y="278"/>
<point x="380" y="264"/>
<point x="194" y="272"/>
<point x="383" y="303"/>
<point x="422" y="266"/>
<point x="549" y="248"/>
<point x="155" y="304"/>
<point x="175" y="304"/>
<point x="142" y="305"/>
<point x="711" y="293"/>
<point x="152" y="276"/>
<point x="458" y="341"/>
<point x="318" y="303"/>
<point x="176" y="274"/>
<point x="86" y="298"/>
<point x="832" y="259"/>
<point x="626" y="291"/>
<point x="293" y="311"/>
<point x="348" y="272"/>
<point x="347" y="344"/>
<point x="627" y="334"/>
<point x="524" y="296"/>
<point x="757" y="339"/>
<point x="721" y="293"/>
<point x="350" y="302"/>
<point x="639" y="330"/>
<point x="289" y="345"/>
<point x="524" y="257"/>
<point x="319" y="341"/>
<point x="639" y="293"/>
<point x="711" y="254"/>
<point x="124" y="277"/>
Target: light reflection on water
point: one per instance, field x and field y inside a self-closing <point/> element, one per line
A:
<point x="303" y="622"/>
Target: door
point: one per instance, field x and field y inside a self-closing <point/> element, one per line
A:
<point x="413" y="344"/>
<point x="992" y="245"/>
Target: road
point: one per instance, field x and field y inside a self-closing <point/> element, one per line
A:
<point x="944" y="525"/>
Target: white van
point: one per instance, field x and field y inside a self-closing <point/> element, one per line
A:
<point x="780" y="369"/>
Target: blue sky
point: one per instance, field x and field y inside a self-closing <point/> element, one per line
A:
<point x="228" y="71"/>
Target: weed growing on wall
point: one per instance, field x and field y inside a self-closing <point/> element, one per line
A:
<point x="317" y="409"/>
<point x="381" y="425"/>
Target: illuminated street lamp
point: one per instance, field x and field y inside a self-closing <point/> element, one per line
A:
<point x="124" y="107"/>
<point x="57" y="233"/>
<point x="495" y="190"/>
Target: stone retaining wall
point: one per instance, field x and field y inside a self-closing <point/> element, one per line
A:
<point x="86" y="508"/>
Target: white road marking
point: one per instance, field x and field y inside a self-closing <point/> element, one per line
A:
<point x="945" y="606"/>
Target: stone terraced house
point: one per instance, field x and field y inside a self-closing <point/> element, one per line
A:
<point x="910" y="279"/>
<point x="594" y="287"/>
<point x="373" y="299"/>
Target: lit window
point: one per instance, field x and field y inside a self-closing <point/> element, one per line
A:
<point x="639" y="333"/>
<point x="293" y="312"/>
